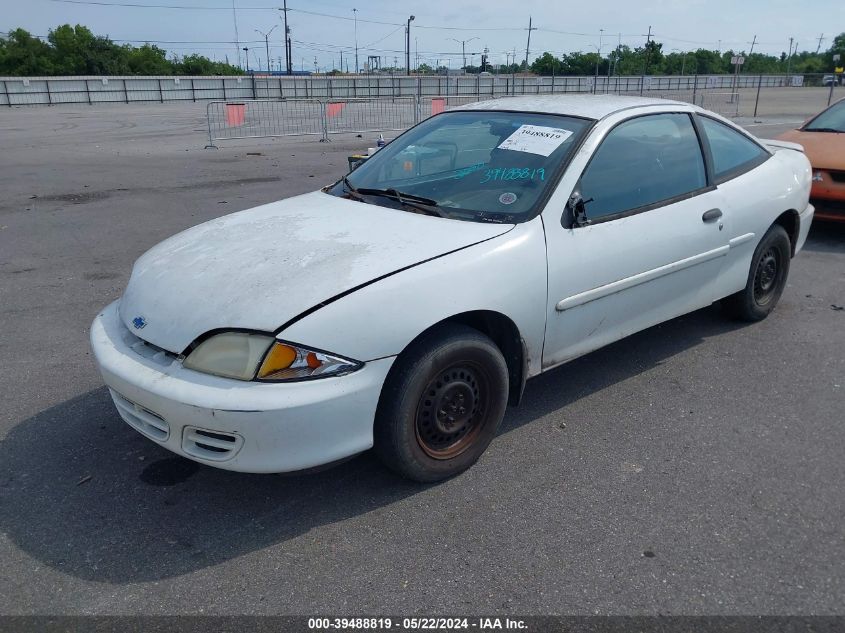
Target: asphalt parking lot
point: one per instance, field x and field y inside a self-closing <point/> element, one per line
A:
<point x="694" y="468"/>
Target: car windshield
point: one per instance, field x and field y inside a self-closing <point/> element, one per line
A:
<point x="484" y="166"/>
<point x="831" y="120"/>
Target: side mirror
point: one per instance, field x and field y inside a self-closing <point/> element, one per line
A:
<point x="576" y="209"/>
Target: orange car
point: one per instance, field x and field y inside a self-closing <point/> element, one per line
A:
<point x="823" y="138"/>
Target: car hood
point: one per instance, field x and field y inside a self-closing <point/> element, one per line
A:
<point x="260" y="268"/>
<point x="826" y="150"/>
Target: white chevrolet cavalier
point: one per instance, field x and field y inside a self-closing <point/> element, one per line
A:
<point x="404" y="307"/>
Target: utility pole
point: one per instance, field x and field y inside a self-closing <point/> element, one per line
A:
<point x="288" y="48"/>
<point x="246" y="50"/>
<point x="341" y="60"/>
<point x="598" y="61"/>
<point x="408" y="46"/>
<point x="267" y="43"/>
<point x="528" y="43"/>
<point x="616" y="57"/>
<point x="237" y="43"/>
<point x="355" y="13"/>
<point x="750" y="52"/>
<point x="819" y="47"/>
<point x="647" y="56"/>
<point x="789" y="58"/>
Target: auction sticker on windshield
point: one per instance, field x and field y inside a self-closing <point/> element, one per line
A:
<point x="535" y="139"/>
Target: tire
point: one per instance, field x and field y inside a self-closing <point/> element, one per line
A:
<point x="766" y="278"/>
<point x="441" y="404"/>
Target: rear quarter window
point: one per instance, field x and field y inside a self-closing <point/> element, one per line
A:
<point x="733" y="153"/>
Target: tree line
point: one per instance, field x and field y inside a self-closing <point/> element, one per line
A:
<point x="652" y="60"/>
<point x="75" y="50"/>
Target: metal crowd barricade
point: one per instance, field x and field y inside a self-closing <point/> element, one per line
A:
<point x="323" y="117"/>
<point x="229" y="120"/>
<point x="369" y="115"/>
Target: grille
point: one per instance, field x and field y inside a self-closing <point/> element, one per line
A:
<point x="211" y="445"/>
<point x="159" y="356"/>
<point x="837" y="176"/>
<point x="142" y="420"/>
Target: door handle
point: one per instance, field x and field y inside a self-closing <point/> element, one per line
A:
<point x="712" y="215"/>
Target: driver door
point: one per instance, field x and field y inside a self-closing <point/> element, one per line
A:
<point x="653" y="245"/>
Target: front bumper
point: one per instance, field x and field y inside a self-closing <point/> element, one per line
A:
<point x="829" y="209"/>
<point x="231" y="424"/>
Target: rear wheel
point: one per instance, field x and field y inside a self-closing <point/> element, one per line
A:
<point x="442" y="404"/>
<point x="766" y="278"/>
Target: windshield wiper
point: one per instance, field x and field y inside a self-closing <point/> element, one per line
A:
<point x="823" y="129"/>
<point x="350" y="189"/>
<point x="426" y="205"/>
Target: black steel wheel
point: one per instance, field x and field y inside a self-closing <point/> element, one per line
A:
<point x="441" y="404"/>
<point x="453" y="410"/>
<point x="766" y="278"/>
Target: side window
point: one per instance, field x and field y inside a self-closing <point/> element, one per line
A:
<point x="731" y="150"/>
<point x="642" y="162"/>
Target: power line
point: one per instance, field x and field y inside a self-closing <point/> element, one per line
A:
<point x="383" y="38"/>
<point x="139" y="5"/>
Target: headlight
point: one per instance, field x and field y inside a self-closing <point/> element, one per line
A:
<point x="231" y="354"/>
<point x="246" y="356"/>
<point x="286" y="361"/>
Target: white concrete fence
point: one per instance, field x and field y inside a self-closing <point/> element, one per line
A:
<point x="20" y="91"/>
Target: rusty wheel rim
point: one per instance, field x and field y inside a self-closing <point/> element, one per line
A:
<point x="453" y="410"/>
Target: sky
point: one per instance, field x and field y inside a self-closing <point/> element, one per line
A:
<point x="323" y="29"/>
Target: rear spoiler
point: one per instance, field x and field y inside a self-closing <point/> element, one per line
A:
<point x="776" y="145"/>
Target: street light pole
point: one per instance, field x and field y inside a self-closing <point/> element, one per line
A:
<point x="246" y="50"/>
<point x="408" y="46"/>
<point x="267" y="43"/>
<point x="355" y="13"/>
<point x="463" y="44"/>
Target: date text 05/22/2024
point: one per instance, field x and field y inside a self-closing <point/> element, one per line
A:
<point x="414" y="624"/>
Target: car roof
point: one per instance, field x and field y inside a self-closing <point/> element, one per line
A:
<point x="580" y="105"/>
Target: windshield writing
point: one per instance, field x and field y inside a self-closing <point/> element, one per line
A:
<point x="484" y="166"/>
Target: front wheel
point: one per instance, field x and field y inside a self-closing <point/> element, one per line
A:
<point x="441" y="404"/>
<point x="766" y="278"/>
